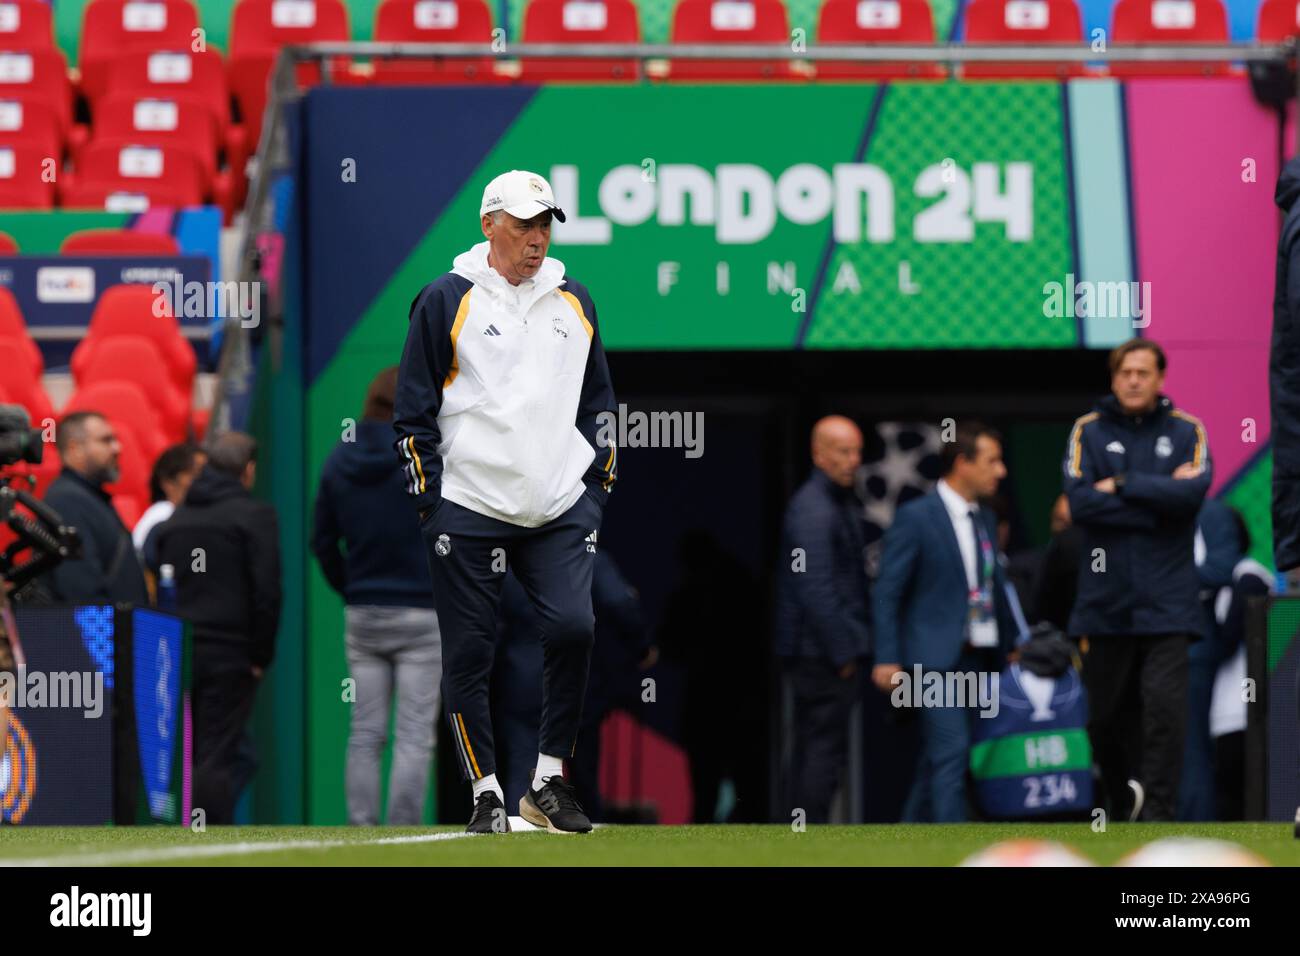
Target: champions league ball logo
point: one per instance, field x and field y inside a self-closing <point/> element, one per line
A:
<point x="900" y="461"/>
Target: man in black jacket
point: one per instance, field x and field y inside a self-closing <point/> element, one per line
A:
<point x="1284" y="375"/>
<point x="391" y="630"/>
<point x="822" y="612"/>
<point x="224" y="546"/>
<point x="107" y="571"/>
<point x="1136" y="472"/>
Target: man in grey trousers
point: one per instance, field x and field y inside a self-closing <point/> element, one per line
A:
<point x="391" y="634"/>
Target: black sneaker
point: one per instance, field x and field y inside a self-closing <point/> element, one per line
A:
<point x="554" y="807"/>
<point x="489" y="815"/>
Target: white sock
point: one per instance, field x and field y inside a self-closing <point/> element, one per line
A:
<point x="484" y="784"/>
<point x="547" y="767"/>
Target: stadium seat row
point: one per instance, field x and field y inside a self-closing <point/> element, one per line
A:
<point x="133" y="366"/>
<point x="162" y="130"/>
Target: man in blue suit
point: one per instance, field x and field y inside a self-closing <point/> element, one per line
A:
<point x="940" y="603"/>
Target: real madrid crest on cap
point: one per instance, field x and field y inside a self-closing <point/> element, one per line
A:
<point x="442" y="545"/>
<point x="1164" y="447"/>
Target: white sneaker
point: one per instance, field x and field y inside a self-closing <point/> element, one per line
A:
<point x="1139" y="798"/>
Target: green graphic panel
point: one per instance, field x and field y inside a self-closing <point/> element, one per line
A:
<point x="961" y="270"/>
<point x="41" y="233"/>
<point x="1283" y="626"/>
<point x="1252" y="495"/>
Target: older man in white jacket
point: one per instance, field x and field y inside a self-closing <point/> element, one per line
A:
<point x="502" y="384"/>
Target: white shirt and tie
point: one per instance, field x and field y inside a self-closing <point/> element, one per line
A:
<point x="963" y="514"/>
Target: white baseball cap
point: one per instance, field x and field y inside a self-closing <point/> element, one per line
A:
<point x="520" y="193"/>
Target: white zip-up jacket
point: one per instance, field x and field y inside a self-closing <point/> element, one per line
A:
<point x="499" y="391"/>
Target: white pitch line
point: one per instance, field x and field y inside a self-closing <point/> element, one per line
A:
<point x="162" y="854"/>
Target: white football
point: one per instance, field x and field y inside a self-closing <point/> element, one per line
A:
<point x="1192" y="851"/>
<point x="1027" y="853"/>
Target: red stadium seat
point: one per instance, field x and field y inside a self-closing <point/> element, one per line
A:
<point x="38" y="75"/>
<point x="434" y="21"/>
<point x="129" y="310"/>
<point x="258" y="29"/>
<point x="126" y="119"/>
<point x="24" y="178"/>
<point x="133" y="463"/>
<point x="1278" y="19"/>
<point x="861" y="22"/>
<point x="119" y="242"/>
<point x="25" y="25"/>
<point x="199" y="76"/>
<point x="14" y="328"/>
<point x="31" y="123"/>
<point x="1028" y="22"/>
<point x="580" y="21"/>
<point x="44" y="473"/>
<point x="174" y="170"/>
<point x="19" y="382"/>
<point x="130" y="508"/>
<point x="123" y="404"/>
<point x="133" y="358"/>
<point x="1169" y="21"/>
<point x="121" y="196"/>
<point x="730" y="21"/>
<point x="8" y="245"/>
<point x="112" y="27"/>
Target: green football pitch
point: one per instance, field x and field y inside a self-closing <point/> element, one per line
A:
<point x="736" y="845"/>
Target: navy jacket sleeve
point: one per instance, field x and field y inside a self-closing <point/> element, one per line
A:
<point x="616" y="603"/>
<point x="1088" y="506"/>
<point x="838" y="634"/>
<point x="1008" y="624"/>
<point x="81" y="580"/>
<point x="262" y="559"/>
<point x="325" y="535"/>
<point x="427" y="360"/>
<point x="901" y="550"/>
<point x="1284" y="398"/>
<point x="1166" y="495"/>
<point x="1222" y="551"/>
<point x="596" y="404"/>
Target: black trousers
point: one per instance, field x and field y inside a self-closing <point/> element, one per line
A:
<point x="554" y="564"/>
<point x="1137" y="716"/>
<point x="224" y="690"/>
<point x="822" y="703"/>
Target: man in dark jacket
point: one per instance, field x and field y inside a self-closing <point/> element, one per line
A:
<point x="822" y="616"/>
<point x="391" y="630"/>
<point x="1284" y="375"/>
<point x="1136" y="472"/>
<point x="107" y="571"/>
<point x="225" y="548"/>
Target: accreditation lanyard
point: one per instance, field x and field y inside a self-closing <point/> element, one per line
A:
<point x="981" y="626"/>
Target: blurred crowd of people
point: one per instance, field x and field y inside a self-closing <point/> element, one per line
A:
<point x="1147" y="577"/>
<point x="205" y="549"/>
